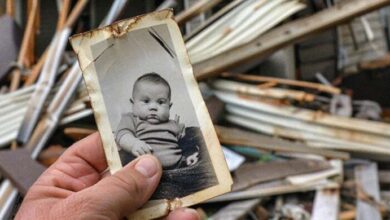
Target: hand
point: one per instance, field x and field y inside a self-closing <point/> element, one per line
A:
<point x="141" y="148"/>
<point x="75" y="187"/>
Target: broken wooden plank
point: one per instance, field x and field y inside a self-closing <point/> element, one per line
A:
<point x="289" y="82"/>
<point x="326" y="204"/>
<point x="16" y="73"/>
<point x="213" y="18"/>
<point x="284" y="35"/>
<point x="311" y="139"/>
<point x="49" y="73"/>
<point x="269" y="189"/>
<point x="216" y="108"/>
<point x="248" y="89"/>
<point x="17" y="166"/>
<point x="335" y="171"/>
<point x="378" y="128"/>
<point x="347" y="215"/>
<point x="234" y="136"/>
<point x="250" y="174"/>
<point x="382" y="62"/>
<point x="51" y="154"/>
<point x="340" y="134"/>
<point x="49" y="123"/>
<point x="10" y="39"/>
<point x="78" y="133"/>
<point x="384" y="176"/>
<point x="195" y="10"/>
<point x="10" y="8"/>
<point x="366" y="177"/>
<point x="245" y="25"/>
<point x="236" y="210"/>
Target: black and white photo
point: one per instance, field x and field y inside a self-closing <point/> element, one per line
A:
<point x="146" y="101"/>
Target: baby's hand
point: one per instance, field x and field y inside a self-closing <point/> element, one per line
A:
<point x="141" y="148"/>
<point x="181" y="130"/>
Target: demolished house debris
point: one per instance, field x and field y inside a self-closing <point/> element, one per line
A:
<point x="311" y="145"/>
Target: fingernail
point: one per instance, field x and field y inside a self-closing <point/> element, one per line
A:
<point x="147" y="166"/>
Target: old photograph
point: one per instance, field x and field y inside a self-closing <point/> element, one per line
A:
<point x="146" y="101"/>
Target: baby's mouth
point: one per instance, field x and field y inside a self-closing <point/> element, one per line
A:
<point x="152" y="116"/>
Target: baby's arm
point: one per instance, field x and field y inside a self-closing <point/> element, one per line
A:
<point x="126" y="139"/>
<point x="132" y="144"/>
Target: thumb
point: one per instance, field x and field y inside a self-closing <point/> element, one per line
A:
<point x="124" y="192"/>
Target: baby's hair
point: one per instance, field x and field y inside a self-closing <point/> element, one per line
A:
<point x="154" y="78"/>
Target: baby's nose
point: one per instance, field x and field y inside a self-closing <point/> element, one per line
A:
<point x="152" y="105"/>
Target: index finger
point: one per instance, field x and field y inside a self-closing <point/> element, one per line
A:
<point x="90" y="150"/>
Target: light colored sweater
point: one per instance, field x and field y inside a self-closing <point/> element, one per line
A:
<point x="162" y="138"/>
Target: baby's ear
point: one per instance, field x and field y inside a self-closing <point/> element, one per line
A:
<point x="131" y="100"/>
<point x="170" y="105"/>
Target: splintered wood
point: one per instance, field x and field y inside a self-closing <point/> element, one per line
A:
<point x="251" y="174"/>
<point x="326" y="204"/>
<point x="367" y="184"/>
<point x="236" y="210"/>
<point x="284" y="35"/>
<point x="290" y="155"/>
<point x="235" y="136"/>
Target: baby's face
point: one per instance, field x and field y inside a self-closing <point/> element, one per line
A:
<point x="151" y="102"/>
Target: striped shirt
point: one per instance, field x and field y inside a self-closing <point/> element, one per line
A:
<point x="162" y="138"/>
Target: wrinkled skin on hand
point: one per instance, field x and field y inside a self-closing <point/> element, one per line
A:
<point x="75" y="187"/>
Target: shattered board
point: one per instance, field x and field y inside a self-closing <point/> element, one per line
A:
<point x="146" y="101"/>
<point x="10" y="39"/>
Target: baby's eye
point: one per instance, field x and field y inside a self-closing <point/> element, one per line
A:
<point x="146" y="101"/>
<point x="161" y="102"/>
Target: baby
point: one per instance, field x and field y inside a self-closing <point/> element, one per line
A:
<point x="148" y="129"/>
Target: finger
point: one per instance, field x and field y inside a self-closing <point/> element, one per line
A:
<point x="79" y="167"/>
<point x="136" y="153"/>
<point x="125" y="191"/>
<point x="90" y="150"/>
<point x="141" y="152"/>
<point x="147" y="149"/>
<point x="150" y="148"/>
<point x="183" y="214"/>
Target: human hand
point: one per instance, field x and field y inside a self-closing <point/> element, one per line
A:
<point x="141" y="148"/>
<point x="75" y="187"/>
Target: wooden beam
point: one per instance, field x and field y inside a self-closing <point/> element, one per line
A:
<point x="289" y="82"/>
<point x="312" y="140"/>
<point x="63" y="14"/>
<point x="195" y="10"/>
<point x="284" y="35"/>
<point x="339" y="134"/>
<point x="78" y="133"/>
<point x="213" y="18"/>
<point x="236" y="210"/>
<point x="365" y="126"/>
<point x="384" y="176"/>
<point x="367" y="181"/>
<point x="326" y="204"/>
<point x="20" y="168"/>
<point x="261" y="91"/>
<point x="251" y="174"/>
<point x="10" y="8"/>
<point x="36" y="70"/>
<point x="234" y="136"/>
<point x="16" y="74"/>
<point x="268" y="189"/>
